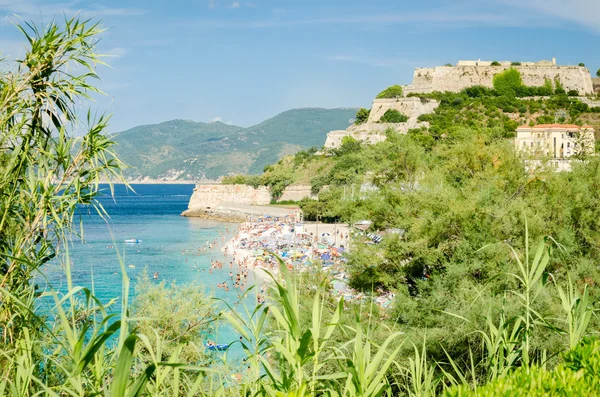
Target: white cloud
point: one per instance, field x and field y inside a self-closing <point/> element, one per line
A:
<point x="28" y="9"/>
<point x="116" y="52"/>
<point x="234" y="5"/>
<point x="581" y="12"/>
<point x="218" y="118"/>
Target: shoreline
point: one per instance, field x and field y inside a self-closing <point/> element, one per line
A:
<point x="297" y="237"/>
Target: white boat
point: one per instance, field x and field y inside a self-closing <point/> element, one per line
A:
<point x="133" y="241"/>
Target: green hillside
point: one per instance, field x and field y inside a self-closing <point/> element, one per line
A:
<point x="188" y="150"/>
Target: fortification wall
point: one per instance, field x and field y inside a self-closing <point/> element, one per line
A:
<point x="210" y="196"/>
<point x="296" y="193"/>
<point x="212" y="199"/>
<point x="456" y="78"/>
<point x="411" y="107"/>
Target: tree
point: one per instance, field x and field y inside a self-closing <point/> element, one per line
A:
<point x="495" y="63"/>
<point x="394" y="91"/>
<point x="508" y="82"/>
<point x="362" y="116"/>
<point x="393" y="116"/>
<point x="46" y="172"/>
<point x="582" y="64"/>
<point x="598" y="73"/>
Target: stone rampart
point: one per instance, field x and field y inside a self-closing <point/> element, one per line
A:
<point x="411" y="107"/>
<point x="210" y="196"/>
<point x="296" y="193"/>
<point x="215" y="200"/>
<point x="457" y="78"/>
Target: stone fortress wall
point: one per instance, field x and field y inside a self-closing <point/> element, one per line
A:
<point x="217" y="200"/>
<point x="454" y="79"/>
<point x="469" y="73"/>
<point x="373" y="132"/>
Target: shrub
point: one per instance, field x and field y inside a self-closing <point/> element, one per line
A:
<point x="598" y="73"/>
<point x="362" y="116"/>
<point x="573" y="93"/>
<point x="393" y="116"/>
<point x="582" y="64"/>
<point x="577" y="376"/>
<point x="449" y="64"/>
<point x="515" y="63"/>
<point x="394" y="91"/>
<point x="507" y="82"/>
<point x="495" y="63"/>
<point x="251" y="180"/>
<point x="477" y="91"/>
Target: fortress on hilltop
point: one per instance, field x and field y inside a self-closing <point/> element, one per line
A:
<point x="469" y="73"/>
<point x="454" y="79"/>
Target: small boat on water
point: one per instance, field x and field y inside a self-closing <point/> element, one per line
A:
<point x="217" y="347"/>
<point x="133" y="241"/>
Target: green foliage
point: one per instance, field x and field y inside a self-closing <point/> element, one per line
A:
<point x="582" y="64"/>
<point x="251" y="180"/>
<point x="508" y="82"/>
<point x="515" y="64"/>
<point x="362" y="116"/>
<point x="394" y="91"/>
<point x="449" y="64"/>
<point x="577" y="376"/>
<point x="495" y="63"/>
<point x="598" y="73"/>
<point x="173" y="316"/>
<point x="45" y="171"/>
<point x="393" y="116"/>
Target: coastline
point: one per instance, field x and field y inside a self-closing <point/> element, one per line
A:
<point x="280" y="233"/>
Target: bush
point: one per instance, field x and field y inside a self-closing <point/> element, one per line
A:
<point x="362" y="116"/>
<point x="582" y="64"/>
<point x="573" y="93"/>
<point x="577" y="376"/>
<point x="477" y="91"/>
<point x="515" y="64"/>
<point x="251" y="180"/>
<point x="598" y="73"/>
<point x="393" y="116"/>
<point x="394" y="91"/>
<point x="508" y="82"/>
<point x="495" y="63"/>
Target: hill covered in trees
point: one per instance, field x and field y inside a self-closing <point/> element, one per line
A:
<point x="188" y="150"/>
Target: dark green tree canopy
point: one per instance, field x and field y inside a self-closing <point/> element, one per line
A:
<point x="393" y="116"/>
<point x="508" y="82"/>
<point x="394" y="91"/>
<point x="362" y="116"/>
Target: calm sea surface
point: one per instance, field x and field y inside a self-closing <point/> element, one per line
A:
<point x="169" y="245"/>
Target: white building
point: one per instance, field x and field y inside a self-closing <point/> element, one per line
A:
<point x="556" y="141"/>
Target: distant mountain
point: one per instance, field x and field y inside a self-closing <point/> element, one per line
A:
<point x="189" y="150"/>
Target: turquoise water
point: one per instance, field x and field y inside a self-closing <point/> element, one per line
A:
<point x="169" y="245"/>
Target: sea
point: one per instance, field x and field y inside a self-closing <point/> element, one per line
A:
<point x="169" y="246"/>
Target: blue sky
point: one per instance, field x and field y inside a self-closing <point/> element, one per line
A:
<point x="242" y="62"/>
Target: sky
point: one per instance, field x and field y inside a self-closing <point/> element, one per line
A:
<point x="241" y="62"/>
